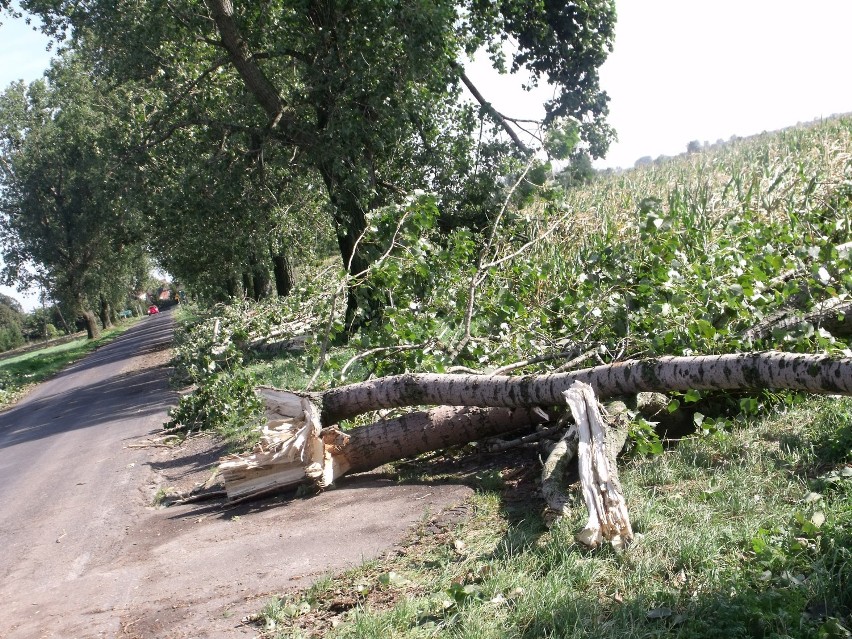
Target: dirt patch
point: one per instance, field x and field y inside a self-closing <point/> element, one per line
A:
<point x="186" y="466"/>
<point x="381" y="585"/>
<point x="153" y="356"/>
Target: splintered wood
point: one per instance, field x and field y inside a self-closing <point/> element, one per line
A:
<point x="291" y="450"/>
<point x="608" y="518"/>
<point x="295" y="447"/>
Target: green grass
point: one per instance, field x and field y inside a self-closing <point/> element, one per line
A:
<point x="745" y="534"/>
<point x="18" y="373"/>
<point x="742" y="532"/>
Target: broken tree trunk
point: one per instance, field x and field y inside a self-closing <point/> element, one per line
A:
<point x="608" y="518"/>
<point x="745" y="371"/>
<point x="301" y="441"/>
<point x="294" y="447"/>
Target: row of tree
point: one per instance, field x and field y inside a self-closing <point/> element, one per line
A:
<point x="231" y="142"/>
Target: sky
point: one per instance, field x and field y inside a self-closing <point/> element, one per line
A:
<point x="685" y="70"/>
<point x="680" y="70"/>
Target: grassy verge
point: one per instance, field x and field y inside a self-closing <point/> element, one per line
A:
<point x="18" y="374"/>
<point x="744" y="530"/>
<point x="747" y="533"/>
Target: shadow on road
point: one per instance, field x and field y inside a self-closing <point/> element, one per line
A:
<point x="82" y="397"/>
<point x="151" y="335"/>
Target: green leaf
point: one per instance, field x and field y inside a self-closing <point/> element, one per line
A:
<point x="691" y="396"/>
<point x="706" y="329"/>
<point x="392" y="579"/>
<point x="749" y="406"/>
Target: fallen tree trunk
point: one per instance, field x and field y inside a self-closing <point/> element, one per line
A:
<point x="301" y="442"/>
<point x="294" y="447"/>
<point x="834" y="315"/>
<point x="746" y="371"/>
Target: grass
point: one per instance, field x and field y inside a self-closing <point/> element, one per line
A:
<point x="17" y="374"/>
<point x="743" y="531"/>
<point x="747" y="533"/>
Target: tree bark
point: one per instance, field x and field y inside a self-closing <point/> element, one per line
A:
<point x="241" y="57"/>
<point x="259" y="279"/>
<point x="295" y="447"/>
<point x="106" y="319"/>
<point x="232" y="286"/>
<point x="608" y="517"/>
<point x="92" y="329"/>
<point x="248" y="285"/>
<point x="385" y="441"/>
<point x="301" y="436"/>
<point x="745" y="371"/>
<point x="283" y="274"/>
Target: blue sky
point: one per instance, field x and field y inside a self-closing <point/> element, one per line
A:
<point x="681" y="70"/>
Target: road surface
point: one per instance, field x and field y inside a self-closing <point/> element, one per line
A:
<point x="83" y="552"/>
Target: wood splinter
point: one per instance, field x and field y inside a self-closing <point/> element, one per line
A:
<point x="608" y="517"/>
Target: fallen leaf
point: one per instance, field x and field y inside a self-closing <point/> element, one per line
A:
<point x="393" y="579"/>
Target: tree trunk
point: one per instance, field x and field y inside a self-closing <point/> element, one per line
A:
<point x="295" y="447"/>
<point x="62" y="319"/>
<point x="350" y="221"/>
<point x="300" y="441"/>
<point x="608" y="517"/>
<point x="746" y="371"/>
<point x="385" y="441"/>
<point x="232" y="287"/>
<point x="248" y="285"/>
<point x="283" y="273"/>
<point x="259" y="279"/>
<point x="92" y="328"/>
<point x="105" y="311"/>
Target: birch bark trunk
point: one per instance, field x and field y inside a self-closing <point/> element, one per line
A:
<point x="745" y="371"/>
<point x="301" y="441"/>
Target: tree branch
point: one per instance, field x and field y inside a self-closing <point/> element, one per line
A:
<point x="241" y="57"/>
<point x="256" y="81"/>
<point x="498" y="117"/>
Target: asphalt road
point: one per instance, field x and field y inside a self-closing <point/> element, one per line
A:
<point x="83" y="553"/>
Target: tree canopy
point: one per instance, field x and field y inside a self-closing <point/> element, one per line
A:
<point x="361" y="99"/>
<point x="62" y="179"/>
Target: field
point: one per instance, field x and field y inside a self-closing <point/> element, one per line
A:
<point x="744" y="520"/>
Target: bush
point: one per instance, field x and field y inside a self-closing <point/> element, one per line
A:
<point x="10" y="337"/>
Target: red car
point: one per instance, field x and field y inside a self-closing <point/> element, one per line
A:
<point x="153" y="310"/>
